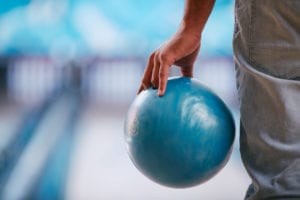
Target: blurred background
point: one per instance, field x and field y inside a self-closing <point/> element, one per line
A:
<point x="68" y="73"/>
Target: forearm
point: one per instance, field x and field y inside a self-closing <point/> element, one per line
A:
<point x="196" y="13"/>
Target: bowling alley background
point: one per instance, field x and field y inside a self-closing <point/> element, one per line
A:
<point x="68" y="73"/>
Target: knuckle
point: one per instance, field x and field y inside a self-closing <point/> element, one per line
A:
<point x="164" y="57"/>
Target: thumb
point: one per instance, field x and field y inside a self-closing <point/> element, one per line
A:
<point x="187" y="71"/>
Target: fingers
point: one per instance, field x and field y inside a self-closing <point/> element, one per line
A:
<point x="156" y="75"/>
<point x="163" y="78"/>
<point x="155" y="72"/>
<point x="146" y="81"/>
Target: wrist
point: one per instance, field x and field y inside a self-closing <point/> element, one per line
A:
<point x="190" y="29"/>
<point x="193" y="27"/>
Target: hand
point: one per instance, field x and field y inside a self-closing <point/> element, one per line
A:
<point x="181" y="50"/>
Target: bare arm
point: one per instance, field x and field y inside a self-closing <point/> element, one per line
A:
<point x="181" y="49"/>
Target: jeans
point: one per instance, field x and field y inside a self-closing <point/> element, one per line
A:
<point x="266" y="47"/>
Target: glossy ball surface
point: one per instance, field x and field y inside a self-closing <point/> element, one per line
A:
<point x="181" y="139"/>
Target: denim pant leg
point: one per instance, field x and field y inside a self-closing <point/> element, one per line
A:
<point x="267" y="57"/>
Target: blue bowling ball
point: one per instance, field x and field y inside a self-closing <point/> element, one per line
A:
<point x="181" y="139"/>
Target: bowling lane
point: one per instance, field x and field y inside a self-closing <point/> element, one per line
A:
<point x="23" y="180"/>
<point x="11" y="117"/>
<point x="101" y="169"/>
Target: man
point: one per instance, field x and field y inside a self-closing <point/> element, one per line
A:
<point x="267" y="58"/>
